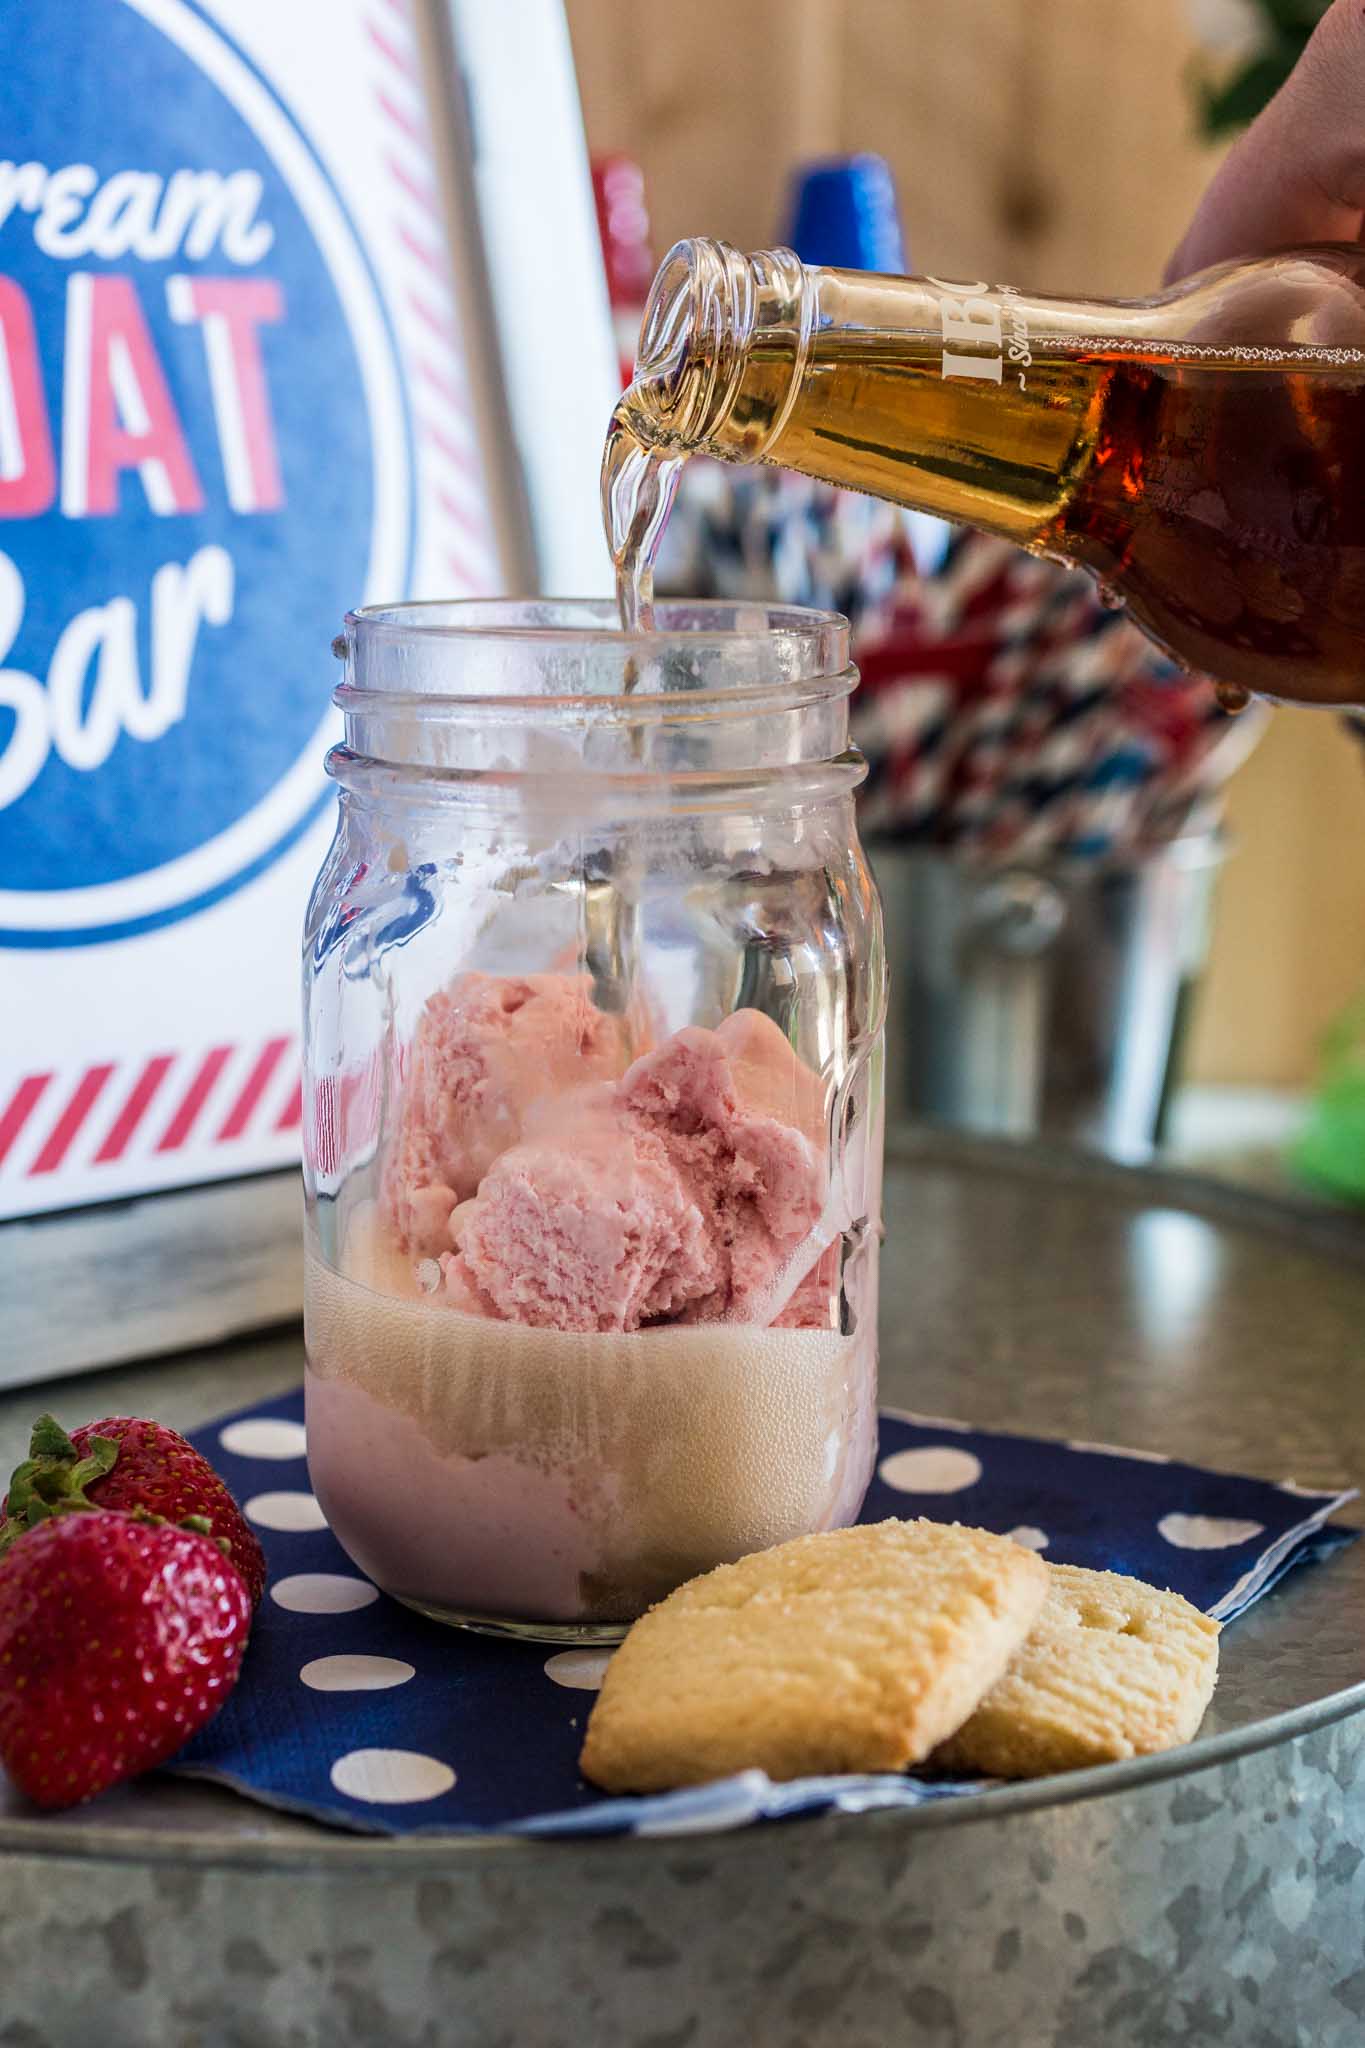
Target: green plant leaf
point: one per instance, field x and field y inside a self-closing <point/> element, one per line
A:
<point x="1295" y="19"/>
<point x="1239" y="99"/>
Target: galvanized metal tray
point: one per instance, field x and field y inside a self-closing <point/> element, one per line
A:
<point x="1217" y="1894"/>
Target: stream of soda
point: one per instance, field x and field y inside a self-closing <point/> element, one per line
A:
<point x="638" y="487"/>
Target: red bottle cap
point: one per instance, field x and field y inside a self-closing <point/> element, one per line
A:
<point x="623" y="220"/>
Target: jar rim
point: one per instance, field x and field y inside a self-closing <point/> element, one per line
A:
<point x="495" y="686"/>
<point x="418" y="617"/>
<point x="568" y="654"/>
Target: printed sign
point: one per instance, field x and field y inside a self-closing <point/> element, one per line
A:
<point x="227" y="314"/>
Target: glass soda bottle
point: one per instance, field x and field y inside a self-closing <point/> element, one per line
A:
<point x="1201" y="452"/>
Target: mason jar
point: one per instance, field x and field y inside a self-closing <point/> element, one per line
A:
<point x="594" y="990"/>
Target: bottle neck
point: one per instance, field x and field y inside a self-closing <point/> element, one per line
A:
<point x="1195" y="450"/>
<point x="912" y="389"/>
<point x="723" y="350"/>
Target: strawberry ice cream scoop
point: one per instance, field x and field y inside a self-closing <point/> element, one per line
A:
<point x="586" y="1225"/>
<point x="675" y="1194"/>
<point x="485" y="1049"/>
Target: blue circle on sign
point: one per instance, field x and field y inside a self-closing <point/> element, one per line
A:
<point x="231" y="467"/>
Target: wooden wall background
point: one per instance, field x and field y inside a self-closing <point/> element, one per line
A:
<point x="1045" y="142"/>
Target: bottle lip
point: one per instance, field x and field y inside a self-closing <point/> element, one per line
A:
<point x="562" y="654"/>
<point x="709" y="307"/>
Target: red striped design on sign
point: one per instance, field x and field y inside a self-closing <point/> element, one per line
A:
<point x="84" y="1096"/>
<point x="135" y="1108"/>
<point x="435" y="321"/>
<point x="291" y="1116"/>
<point x="252" y="1089"/>
<point x="401" y="59"/>
<point x="421" y="189"/>
<point x="472" y="522"/>
<point x="444" y="386"/>
<point x="458" y="457"/>
<point x="192" y="1101"/>
<point x="407" y="124"/>
<point x="430" y="259"/>
<point x="19" y="1108"/>
<point x="430" y="302"/>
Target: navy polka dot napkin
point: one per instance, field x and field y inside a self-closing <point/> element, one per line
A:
<point x="356" y="1711"/>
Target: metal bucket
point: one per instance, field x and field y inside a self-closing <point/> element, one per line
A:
<point x="1043" y="999"/>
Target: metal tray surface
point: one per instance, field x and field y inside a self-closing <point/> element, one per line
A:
<point x="1021" y="1288"/>
<point x="1173" y="1897"/>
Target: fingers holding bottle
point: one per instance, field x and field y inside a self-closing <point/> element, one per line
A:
<point x="1298" y="174"/>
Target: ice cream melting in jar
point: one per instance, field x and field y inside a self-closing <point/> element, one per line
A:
<point x="594" y="988"/>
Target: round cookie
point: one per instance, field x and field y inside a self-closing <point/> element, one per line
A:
<point x="853" y="1650"/>
<point x="1112" y="1669"/>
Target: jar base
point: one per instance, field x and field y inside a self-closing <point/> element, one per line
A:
<point x="584" y="1634"/>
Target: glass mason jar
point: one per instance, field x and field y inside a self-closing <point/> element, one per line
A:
<point x="593" y="1103"/>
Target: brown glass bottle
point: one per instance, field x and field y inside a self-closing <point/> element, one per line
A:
<point x="1202" y="452"/>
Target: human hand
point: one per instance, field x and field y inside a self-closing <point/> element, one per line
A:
<point x="1298" y="174"/>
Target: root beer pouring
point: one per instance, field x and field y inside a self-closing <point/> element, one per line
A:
<point x="1200" y="451"/>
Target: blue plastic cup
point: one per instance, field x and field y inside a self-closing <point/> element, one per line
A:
<point x="844" y="214"/>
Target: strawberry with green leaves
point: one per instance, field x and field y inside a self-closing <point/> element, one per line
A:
<point x="120" y="1637"/>
<point x="126" y="1463"/>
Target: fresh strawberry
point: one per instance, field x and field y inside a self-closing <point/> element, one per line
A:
<point x="119" y="1638"/>
<point x="125" y="1463"/>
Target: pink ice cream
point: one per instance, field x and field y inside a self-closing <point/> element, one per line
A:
<point x="647" y="1374"/>
<point x="676" y="1194"/>
<point x="485" y="1049"/>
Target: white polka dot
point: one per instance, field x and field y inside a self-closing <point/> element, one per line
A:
<point x="391" y="1777"/>
<point x="582" y="1669"/>
<point x="1207" y="1532"/>
<point x="323" y="1593"/>
<point x="936" y="1468"/>
<point x="295" y="1513"/>
<point x="356" y="1674"/>
<point x="262" y="1436"/>
<point x="1032" y="1539"/>
<point x="1119" y="1451"/>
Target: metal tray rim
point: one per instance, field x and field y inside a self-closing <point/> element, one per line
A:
<point x="1317" y="1223"/>
<point x="336" y="1851"/>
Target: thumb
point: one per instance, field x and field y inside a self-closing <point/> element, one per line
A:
<point x="1298" y="174"/>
